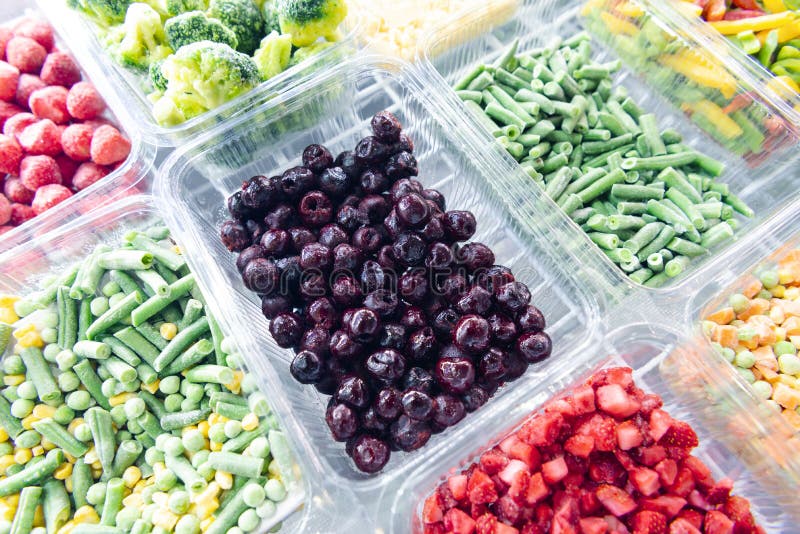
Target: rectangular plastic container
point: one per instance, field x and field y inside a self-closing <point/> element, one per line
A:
<point x="335" y="109"/>
<point x="23" y="267"/>
<point x="128" y="177"/>
<point x="648" y="350"/>
<point x="765" y="183"/>
<point x="125" y="94"/>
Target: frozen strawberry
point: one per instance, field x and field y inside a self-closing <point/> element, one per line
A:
<point x="5" y="36"/>
<point x="593" y="525"/>
<point x="7" y="110"/>
<point x="580" y="446"/>
<point x="38" y="30"/>
<point x="486" y="524"/>
<point x="669" y="505"/>
<point x="76" y="141"/>
<point x="507" y="509"/>
<point x="480" y="488"/>
<point x="20" y="213"/>
<point x="615" y="500"/>
<point x="681" y="435"/>
<point x="649" y="522"/>
<point x="5" y="210"/>
<point x="698" y="500"/>
<point x="84" y="102"/>
<point x="660" y="421"/>
<point x="650" y="456"/>
<point x="42" y="137"/>
<point x="682" y="526"/>
<point x="644" y="480"/>
<point x="554" y="470"/>
<point x="700" y="470"/>
<point x="48" y="196"/>
<point x="518" y="488"/>
<point x="432" y="509"/>
<point x="492" y="462"/>
<point x="109" y="146"/>
<point x="60" y="69"/>
<point x="27" y="85"/>
<point x="458" y="522"/>
<point x="68" y="168"/>
<point x="582" y="400"/>
<point x="542" y="429"/>
<point x="606" y="469"/>
<point x="537" y="489"/>
<point x="10" y="155"/>
<point x="717" y="523"/>
<point x="667" y="470"/>
<point x="520" y="450"/>
<point x="613" y="400"/>
<point x="9" y="78"/>
<point x="684" y="483"/>
<point x="628" y="435"/>
<point x="738" y="510"/>
<point x="16" y="192"/>
<point x="720" y="492"/>
<point x="14" y="126"/>
<point x="458" y="487"/>
<point x="38" y="171"/>
<point x="602" y="429"/>
<point x="50" y="103"/>
<point x="25" y="54"/>
<point x="510" y="471"/>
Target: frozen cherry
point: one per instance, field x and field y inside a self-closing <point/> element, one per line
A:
<point x="286" y="329"/>
<point x="234" y="236"/>
<point x="413" y="210"/>
<point x="452" y="351"/>
<point x="534" y="346"/>
<point x="494" y="277"/>
<point x="419" y="379"/>
<point x="387" y="403"/>
<point x="502" y="328"/>
<point x="447" y="410"/>
<point x="370" y="454"/>
<point x="363" y="325"/>
<point x="516" y="367"/>
<point x="370" y="421"/>
<point x="413" y="286"/>
<point x="386" y="127"/>
<point x="453" y="287"/>
<point x="345" y="290"/>
<point x="403" y="144"/>
<point x="477" y="301"/>
<point x="261" y="276"/>
<point x="417" y="405"/>
<point x="316" y="340"/>
<point x="343" y="347"/>
<point x="476" y="256"/>
<point x="370" y="151"/>
<point x="334" y="182"/>
<point x="392" y="224"/>
<point x="434" y="304"/>
<point x="422" y="344"/>
<point x="250" y="253"/>
<point x="392" y="336"/>
<point x="331" y="235"/>
<point x="281" y="216"/>
<point x="342" y="420"/>
<point x="316" y="256"/>
<point x="433" y="229"/>
<point x="386" y="257"/>
<point x="401" y="165"/>
<point x="382" y="302"/>
<point x="409" y="249"/>
<point x="322" y="313"/>
<point x="301" y="237"/>
<point x="434" y="196"/>
<point x="530" y="320"/>
<point x="474" y="398"/>
<point x="272" y="305"/>
<point x="313" y="285"/>
<point x="255" y="229"/>
<point x="349" y="218"/>
<point x="368" y="239"/>
<point x="492" y="365"/>
<point x="471" y="334"/>
<point x="372" y="276"/>
<point x="445" y="322"/>
<point x="408" y="434"/>
<point x="260" y="192"/>
<point x="276" y="242"/>
<point x="374" y="182"/>
<point x="353" y="391"/>
<point x="307" y="367"/>
<point x="316" y="209"/>
<point x="404" y="187"/>
<point x="236" y="207"/>
<point x="439" y="256"/>
<point x="290" y="274"/>
<point x="347" y="162"/>
<point x="346" y="258"/>
<point x="413" y="317"/>
<point x="455" y="375"/>
<point x="317" y="158"/>
<point x="386" y="365"/>
<point x="459" y="225"/>
<point x="296" y="181"/>
<point x="513" y="297"/>
<point x="374" y="208"/>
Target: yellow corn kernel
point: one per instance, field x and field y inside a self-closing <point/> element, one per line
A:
<point x="204" y="509"/>
<point x="250" y="421"/>
<point x="27" y="423"/>
<point x="13" y="380"/>
<point x="86" y="514"/>
<point x="66" y="528"/>
<point x="792" y="293"/>
<point x="68" y="484"/>
<point x="74" y="423"/>
<point x="22" y="455"/>
<point x="6" y="461"/>
<point x="203" y="427"/>
<point x="176" y="249"/>
<point x="215" y="447"/>
<point x="134" y="500"/>
<point x="152" y="388"/>
<point x="131" y="476"/>
<point x="91" y="455"/>
<point x="38" y="517"/>
<point x="211" y="491"/>
<point x="160" y="498"/>
<point x="778" y="291"/>
<point x="165" y="519"/>
<point x="213" y="419"/>
<point x="158" y="467"/>
<point x="206" y="523"/>
<point x="756" y="24"/>
<point x="236" y="385"/>
<point x="116" y="400"/>
<point x="48" y="445"/>
<point x="63" y="471"/>
<point x="7" y="315"/>
<point x="7" y="300"/>
<point x="168" y="330"/>
<point x="3" y="435"/>
<point x="43" y="410"/>
<point x="7" y="513"/>
<point x="38" y="450"/>
<point x="223" y="479"/>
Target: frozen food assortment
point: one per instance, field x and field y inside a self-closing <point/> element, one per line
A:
<point x="371" y="280"/>
<point x="125" y="409"/>
<point x="647" y="200"/>
<point x="56" y="140"/>
<point x="605" y="457"/>
<point x="195" y="55"/>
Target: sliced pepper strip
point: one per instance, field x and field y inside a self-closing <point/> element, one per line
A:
<point x="732" y="27"/>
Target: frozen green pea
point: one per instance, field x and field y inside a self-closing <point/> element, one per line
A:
<point x="178" y="502"/>
<point x="249" y="384"/>
<point x="26" y="390"/>
<point x="784" y="347"/>
<point x="770" y="279"/>
<point x="165" y="480"/>
<point x="173" y="446"/>
<point x="50" y="351"/>
<point x="764" y="294"/>
<point x="49" y="335"/>
<point x="275" y="490"/>
<point x="68" y="381"/>
<point x="232" y="428"/>
<point x="152" y="456"/>
<point x="114" y="299"/>
<point x="118" y="415"/>
<point x="739" y="302"/>
<point x="234" y="360"/>
<point x="200" y="457"/>
<point x="194" y="392"/>
<point x="789" y="364"/>
<point x="746" y="333"/>
<point x="160" y="440"/>
<point x="747" y="374"/>
<point x="235" y="530"/>
<point x="729" y="354"/>
<point x="193" y="440"/>
<point x="172" y="403"/>
<point x="187" y="524"/>
<point x="206" y="471"/>
<point x="64" y="415"/>
<point x="134" y="407"/>
<point x="21" y="408"/>
<point x="127" y="517"/>
<point x="762" y="389"/>
<point x="745" y="359"/>
<point x="187" y="405"/>
<point x="259" y="447"/>
<point x="109" y="386"/>
<point x="10" y="393"/>
<point x="131" y="386"/>
<point x="13" y="365"/>
<point x="6" y="448"/>
<point x="98" y="306"/>
<point x="227" y="345"/>
<point x="216" y="433"/>
<point x="79" y="400"/>
<point x="248" y="521"/>
<point x="147" y="496"/>
<point x="66" y="360"/>
<point x="253" y="494"/>
<point x="96" y="493"/>
<point x="83" y="433"/>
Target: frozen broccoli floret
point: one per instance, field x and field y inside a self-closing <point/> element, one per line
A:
<point x="104" y="12"/>
<point x="195" y="26"/>
<point x="176" y="7"/>
<point x="202" y="76"/>
<point x="140" y="40"/>
<point x="157" y="77"/>
<point x="244" y="18"/>
<point x="305" y="52"/>
<point x="271" y="22"/>
<point x="273" y="56"/>
<point x="308" y="20"/>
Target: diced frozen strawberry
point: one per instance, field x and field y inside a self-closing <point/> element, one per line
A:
<point x="697" y="467"/>
<point x="477" y="510"/>
<point x="682" y="526"/>
<point x="518" y="488"/>
<point x="20" y="213"/>
<point x="622" y="376"/>
<point x="5" y="210"/>
<point x="41" y="138"/>
<point x="50" y="103"/>
<point x="582" y="399"/>
<point x="613" y="400"/>
<point x="48" y="196"/>
<point x="485" y="524"/>
<point x="507" y="443"/>
<point x="717" y="523"/>
<point x="493" y="461"/>
<point x="615" y="500"/>
<point x="25" y="54"/>
<point x="10" y="155"/>
<point x="593" y="525"/>
<point x="435" y="528"/>
<point x="602" y="429"/>
<point x="692" y="516"/>
<point x="684" y="483"/>
<point x="668" y="505"/>
<point x="738" y="510"/>
<point x="679" y="434"/>
<point x="650" y="402"/>
<point x="507" y="509"/>
<point x="109" y="146"/>
<point x="542" y="429"/>
<point x="511" y="469"/>
<point x="28" y="84"/>
<point x="644" y="480"/>
<point x="667" y="470"/>
<point x="698" y="500"/>
<point x="60" y="69"/>
<point x="458" y="522"/>
<point x="5" y="36"/>
<point x="660" y="421"/>
<point x="16" y="192"/>
<point x="555" y="470"/>
<point x="14" y="125"/>
<point x="68" y="168"/>
<point x="458" y="486"/>
<point x="7" y="110"/>
<point x="562" y="525"/>
<point x="579" y="445"/>
<point x="446" y="497"/>
<point x="625" y="459"/>
<point x="562" y="406"/>
<point x="432" y="509"/>
<point x="605" y="469"/>
<point x="481" y="488"/>
<point x="38" y="171"/>
<point x="537" y="489"/>
<point x="76" y="141"/>
<point x="650" y="456"/>
<point x="628" y="435"/>
<point x="720" y="492"/>
<point x="649" y="522"/>
<point x="525" y="453"/>
<point x="9" y="78"/>
<point x="84" y="102"/>
<point x="502" y="528"/>
<point x="38" y="30"/>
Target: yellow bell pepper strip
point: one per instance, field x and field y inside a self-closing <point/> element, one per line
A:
<point x="766" y="22"/>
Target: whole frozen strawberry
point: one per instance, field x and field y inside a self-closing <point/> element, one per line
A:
<point x="48" y="196"/>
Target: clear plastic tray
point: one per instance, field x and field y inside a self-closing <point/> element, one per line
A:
<point x="120" y="182"/>
<point x="123" y="89"/>
<point x="195" y="181"/>
<point x="765" y="184"/>
<point x="22" y="268"/>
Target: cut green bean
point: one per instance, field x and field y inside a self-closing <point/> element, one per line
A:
<point x="180" y="342"/>
<point x="39" y="373"/>
<point x="32" y="474"/>
<point x="57" y="434"/>
<point x="26" y="510"/>
<point x="114" y="315"/>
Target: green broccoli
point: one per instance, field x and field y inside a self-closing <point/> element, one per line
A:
<point x="244" y="18"/>
<point x="200" y="77"/>
<point x="104" y="12"/>
<point x="305" y="52"/>
<point x="273" y="56"/>
<point x="176" y="7"/>
<point x="195" y="26"/>
<point x="157" y="77"/>
<point x="141" y="39"/>
<point x="308" y="20"/>
<point x="270" y="13"/>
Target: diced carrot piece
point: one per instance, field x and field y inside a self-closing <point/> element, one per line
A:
<point x="766" y="373"/>
<point x="763" y="329"/>
<point x="765" y="357"/>
<point x="750" y="344"/>
<point x="757" y="307"/>
<point x="786" y="396"/>
<point x="792" y="417"/>
<point x="793" y="256"/>
<point x="723" y="316"/>
<point x="752" y="288"/>
<point x="790" y="307"/>
<point x="726" y="336"/>
<point x="792" y="326"/>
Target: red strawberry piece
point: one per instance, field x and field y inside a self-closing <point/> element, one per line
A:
<point x="738" y="510"/>
<point x="485" y="524"/>
<point x="76" y="140"/>
<point x="579" y="445"/>
<point x="717" y="523"/>
<point x="684" y="483"/>
<point x="650" y="402"/>
<point x="593" y="525"/>
<point x="38" y="30"/>
<point x="525" y="453"/>
<point x="436" y="528"/>
<point x="720" y="492"/>
<point x="432" y="509"/>
<point x="5" y="36"/>
<point x="606" y="469"/>
<point x="668" y="505"/>
<point x="507" y="509"/>
<point x="477" y="510"/>
<point x="502" y="528"/>
<point x="16" y="192"/>
<point x="9" y="78"/>
<point x="507" y="443"/>
<point x="555" y="470"/>
<point x="458" y="522"/>
<point x="28" y="84"/>
<point x="622" y="376"/>
<point x="48" y="196"/>
<point x="667" y="470"/>
<point x="447" y="499"/>
<point x="5" y="210"/>
<point x="582" y="399"/>
<point x="644" y="480"/>
<point x="14" y="125"/>
<point x="588" y="503"/>
<point x="679" y="434"/>
<point x="615" y="500"/>
<point x="649" y="522"/>
<point x="613" y="400"/>
<point x="628" y="435"/>
<point x="660" y="421"/>
<point x="25" y="54"/>
<point x="537" y="489"/>
<point x="692" y="516"/>
<point x="625" y="459"/>
<point x="602" y="429"/>
<point x="84" y="102"/>
<point x="519" y="487"/>
<point x="50" y="103"/>
<point x="21" y="213"/>
<point x="458" y="486"/>
<point x="492" y="462"/>
<point x="698" y="500"/>
<point x="10" y="155"/>
<point x="41" y="138"/>
<point x="109" y="146"/>
<point x="38" y="171"/>
<point x="562" y="406"/>
<point x="68" y="168"/>
<point x="650" y="456"/>
<point x="60" y="69"/>
<point x="542" y="429"/>
<point x="511" y="469"/>
<point x="682" y="526"/>
<point x="7" y="110"/>
<point x="698" y="468"/>
<point x="481" y="488"/>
